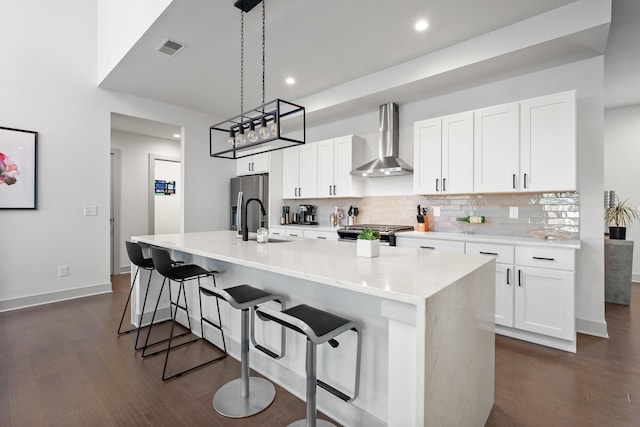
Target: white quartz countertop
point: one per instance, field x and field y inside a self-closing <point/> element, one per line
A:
<point x="399" y="274"/>
<point x="486" y="238"/>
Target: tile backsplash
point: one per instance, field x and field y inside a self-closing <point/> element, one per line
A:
<point x="549" y="211"/>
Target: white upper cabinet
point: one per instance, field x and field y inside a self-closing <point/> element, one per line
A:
<point x="496" y="149"/>
<point x="300" y="172"/>
<point x="548" y="143"/>
<point x="257" y="163"/>
<point x="337" y="157"/>
<point x="443" y="155"/>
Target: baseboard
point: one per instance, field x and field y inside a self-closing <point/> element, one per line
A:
<point x="47" y="298"/>
<point x="545" y="340"/>
<point x="635" y="277"/>
<point x="591" y="327"/>
<point x="124" y="269"/>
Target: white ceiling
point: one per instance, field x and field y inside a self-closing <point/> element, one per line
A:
<point x="325" y="43"/>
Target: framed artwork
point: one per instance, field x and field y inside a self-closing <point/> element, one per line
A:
<point x="18" y="168"/>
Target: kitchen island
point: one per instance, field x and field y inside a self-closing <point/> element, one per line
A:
<point x="428" y="327"/>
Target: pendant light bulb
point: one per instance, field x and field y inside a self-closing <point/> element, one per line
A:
<point x="240" y="138"/>
<point x="252" y="136"/>
<point x="274" y="128"/>
<point x="264" y="130"/>
<point x="232" y="138"/>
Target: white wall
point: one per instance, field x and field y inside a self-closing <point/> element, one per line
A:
<point x="134" y="190"/>
<point x="120" y="24"/>
<point x="621" y="172"/>
<point x="57" y="96"/>
<point x="587" y="77"/>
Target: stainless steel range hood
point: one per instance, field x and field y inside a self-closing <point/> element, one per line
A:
<point x="388" y="162"/>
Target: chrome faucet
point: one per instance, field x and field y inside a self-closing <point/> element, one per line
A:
<point x="245" y="226"/>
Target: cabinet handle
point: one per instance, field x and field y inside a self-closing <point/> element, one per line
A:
<point x="330" y="191"/>
<point x="295" y="191"/>
<point x="299" y="191"/>
<point x="427" y="247"/>
<point x="543" y="258"/>
<point x="519" y="278"/>
<point x="437" y="184"/>
<point x="514" y="180"/>
<point x="293" y="235"/>
<point x="275" y="233"/>
<point x="334" y="190"/>
<point x="525" y="180"/>
<point x="489" y="253"/>
<point x="321" y="237"/>
<point x="508" y="275"/>
<point x="249" y="166"/>
<point x="444" y="184"/>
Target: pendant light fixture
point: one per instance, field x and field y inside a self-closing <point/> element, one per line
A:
<point x="274" y="125"/>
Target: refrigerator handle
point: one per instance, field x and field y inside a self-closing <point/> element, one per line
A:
<point x="239" y="212"/>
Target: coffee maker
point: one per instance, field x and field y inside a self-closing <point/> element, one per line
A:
<point x="306" y="215"/>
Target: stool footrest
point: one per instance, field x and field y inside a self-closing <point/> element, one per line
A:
<point x="266" y="351"/>
<point x="334" y="391"/>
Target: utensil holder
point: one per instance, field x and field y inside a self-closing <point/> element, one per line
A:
<point x="423" y="226"/>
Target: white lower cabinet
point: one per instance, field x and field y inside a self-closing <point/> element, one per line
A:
<point x="535" y="292"/>
<point x="430" y="244"/>
<point x="544" y="296"/>
<point x="321" y="235"/>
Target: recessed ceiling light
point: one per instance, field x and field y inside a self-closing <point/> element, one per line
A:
<point x="176" y="135"/>
<point x="290" y="80"/>
<point x="422" y="25"/>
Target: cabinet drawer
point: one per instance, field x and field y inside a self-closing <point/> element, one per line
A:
<point x="503" y="253"/>
<point x="322" y="235"/>
<point x="276" y="231"/>
<point x="431" y="244"/>
<point x="560" y="259"/>
<point x="293" y="233"/>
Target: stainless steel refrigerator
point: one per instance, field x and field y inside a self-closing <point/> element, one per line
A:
<point x="247" y="187"/>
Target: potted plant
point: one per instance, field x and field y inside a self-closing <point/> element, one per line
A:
<point x="368" y="244"/>
<point x="619" y="217"/>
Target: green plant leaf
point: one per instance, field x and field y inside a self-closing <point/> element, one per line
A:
<point x="368" y="234"/>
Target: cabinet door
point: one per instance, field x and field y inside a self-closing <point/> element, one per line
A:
<point x="427" y="156"/>
<point x="243" y="166"/>
<point x="545" y="302"/>
<point x="308" y="171"/>
<point x="290" y="168"/>
<point x="504" y="295"/>
<point x="343" y="163"/>
<point x="325" y="168"/>
<point x="496" y="149"/>
<point x="457" y="153"/>
<point x="260" y="163"/>
<point x="548" y="142"/>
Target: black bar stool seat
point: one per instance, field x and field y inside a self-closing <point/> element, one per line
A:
<point x="320" y="327"/>
<point x="246" y="396"/>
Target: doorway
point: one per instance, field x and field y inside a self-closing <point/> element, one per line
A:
<point x="133" y="142"/>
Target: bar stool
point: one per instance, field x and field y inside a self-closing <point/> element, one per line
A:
<point x="319" y="326"/>
<point x="246" y="396"/>
<point x="181" y="274"/>
<point x="134" y="251"/>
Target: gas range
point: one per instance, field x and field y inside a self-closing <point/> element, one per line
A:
<point x="387" y="232"/>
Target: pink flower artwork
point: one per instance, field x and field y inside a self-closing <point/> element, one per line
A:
<point x="8" y="170"/>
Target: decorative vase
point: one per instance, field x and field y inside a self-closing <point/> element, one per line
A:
<point x="618" y="233"/>
<point x="368" y="248"/>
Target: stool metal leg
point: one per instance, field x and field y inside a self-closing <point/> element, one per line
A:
<point x="310" y="365"/>
<point x="244" y="396"/>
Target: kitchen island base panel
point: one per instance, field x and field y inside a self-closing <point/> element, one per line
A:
<point x="547" y="341"/>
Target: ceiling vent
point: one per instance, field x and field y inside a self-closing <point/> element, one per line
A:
<point x="171" y="47"/>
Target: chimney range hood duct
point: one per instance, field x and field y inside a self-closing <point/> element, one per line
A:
<point x="388" y="162"/>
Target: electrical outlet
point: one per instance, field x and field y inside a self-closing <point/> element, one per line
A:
<point x="90" y="211"/>
<point x="513" y="212"/>
<point x="436" y="211"/>
<point x="63" y="271"/>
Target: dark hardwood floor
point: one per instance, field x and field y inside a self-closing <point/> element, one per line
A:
<point x="62" y="365"/>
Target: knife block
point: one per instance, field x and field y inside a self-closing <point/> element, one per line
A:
<point x="424" y="226"/>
